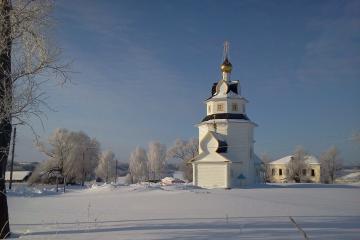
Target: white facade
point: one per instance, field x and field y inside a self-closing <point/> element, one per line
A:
<point x="226" y="138"/>
<point x="279" y="171"/>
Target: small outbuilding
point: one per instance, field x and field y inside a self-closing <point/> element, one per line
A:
<point x="18" y="176"/>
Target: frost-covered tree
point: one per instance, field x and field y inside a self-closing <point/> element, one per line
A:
<point x="330" y="164"/>
<point x="84" y="157"/>
<point x="297" y="164"/>
<point x="58" y="154"/>
<point x="265" y="168"/>
<point x="184" y="151"/>
<point x="27" y="60"/>
<point x="73" y="154"/>
<point x="128" y="179"/>
<point x="156" y="159"/>
<point x="106" y="167"/>
<point x="138" y="165"/>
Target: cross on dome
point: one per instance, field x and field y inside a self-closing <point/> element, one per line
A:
<point x="226" y="66"/>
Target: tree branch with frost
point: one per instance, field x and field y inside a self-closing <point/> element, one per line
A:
<point x="34" y="59"/>
<point x="297" y="164"/>
<point x="184" y="151"/>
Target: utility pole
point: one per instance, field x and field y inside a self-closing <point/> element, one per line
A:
<point x="83" y="168"/>
<point x="12" y="158"/>
<point x="116" y="165"/>
<point x="107" y="171"/>
<point x="83" y="163"/>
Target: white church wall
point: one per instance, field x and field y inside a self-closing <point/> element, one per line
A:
<point x="212" y="175"/>
<point x="240" y="147"/>
<point x="203" y="129"/>
<point x="240" y="137"/>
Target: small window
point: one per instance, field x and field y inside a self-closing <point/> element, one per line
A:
<point x="234" y="107"/>
<point x="280" y="172"/>
<point x="209" y="109"/>
<point x="312" y="172"/>
<point x="304" y="172"/>
<point x="273" y="171"/>
<point x="220" y="107"/>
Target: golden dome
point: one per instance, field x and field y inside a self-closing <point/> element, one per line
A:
<point x="226" y="66"/>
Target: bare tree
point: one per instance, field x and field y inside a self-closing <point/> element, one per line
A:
<point x="156" y="159"/>
<point x="25" y="54"/>
<point x="330" y="164"/>
<point x="138" y="165"/>
<point x="297" y="164"/>
<point x="106" y="167"/>
<point x="184" y="151"/>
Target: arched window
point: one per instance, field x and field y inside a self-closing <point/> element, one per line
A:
<point x="280" y="172"/>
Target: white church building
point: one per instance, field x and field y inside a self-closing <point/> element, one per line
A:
<point x="226" y="137"/>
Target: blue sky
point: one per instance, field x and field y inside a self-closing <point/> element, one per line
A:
<point x="143" y="69"/>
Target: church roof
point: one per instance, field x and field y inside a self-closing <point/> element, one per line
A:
<point x="221" y="148"/>
<point x="309" y="159"/>
<point x="233" y="87"/>
<point x="225" y="116"/>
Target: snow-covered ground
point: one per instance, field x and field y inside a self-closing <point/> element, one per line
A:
<point x="144" y="211"/>
<point x="349" y="176"/>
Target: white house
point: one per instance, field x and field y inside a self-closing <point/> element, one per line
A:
<point x="226" y="137"/>
<point x="279" y="170"/>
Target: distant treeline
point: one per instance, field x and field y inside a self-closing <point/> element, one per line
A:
<point x="123" y="168"/>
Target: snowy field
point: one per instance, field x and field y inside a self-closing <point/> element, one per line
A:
<point x="185" y="212"/>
